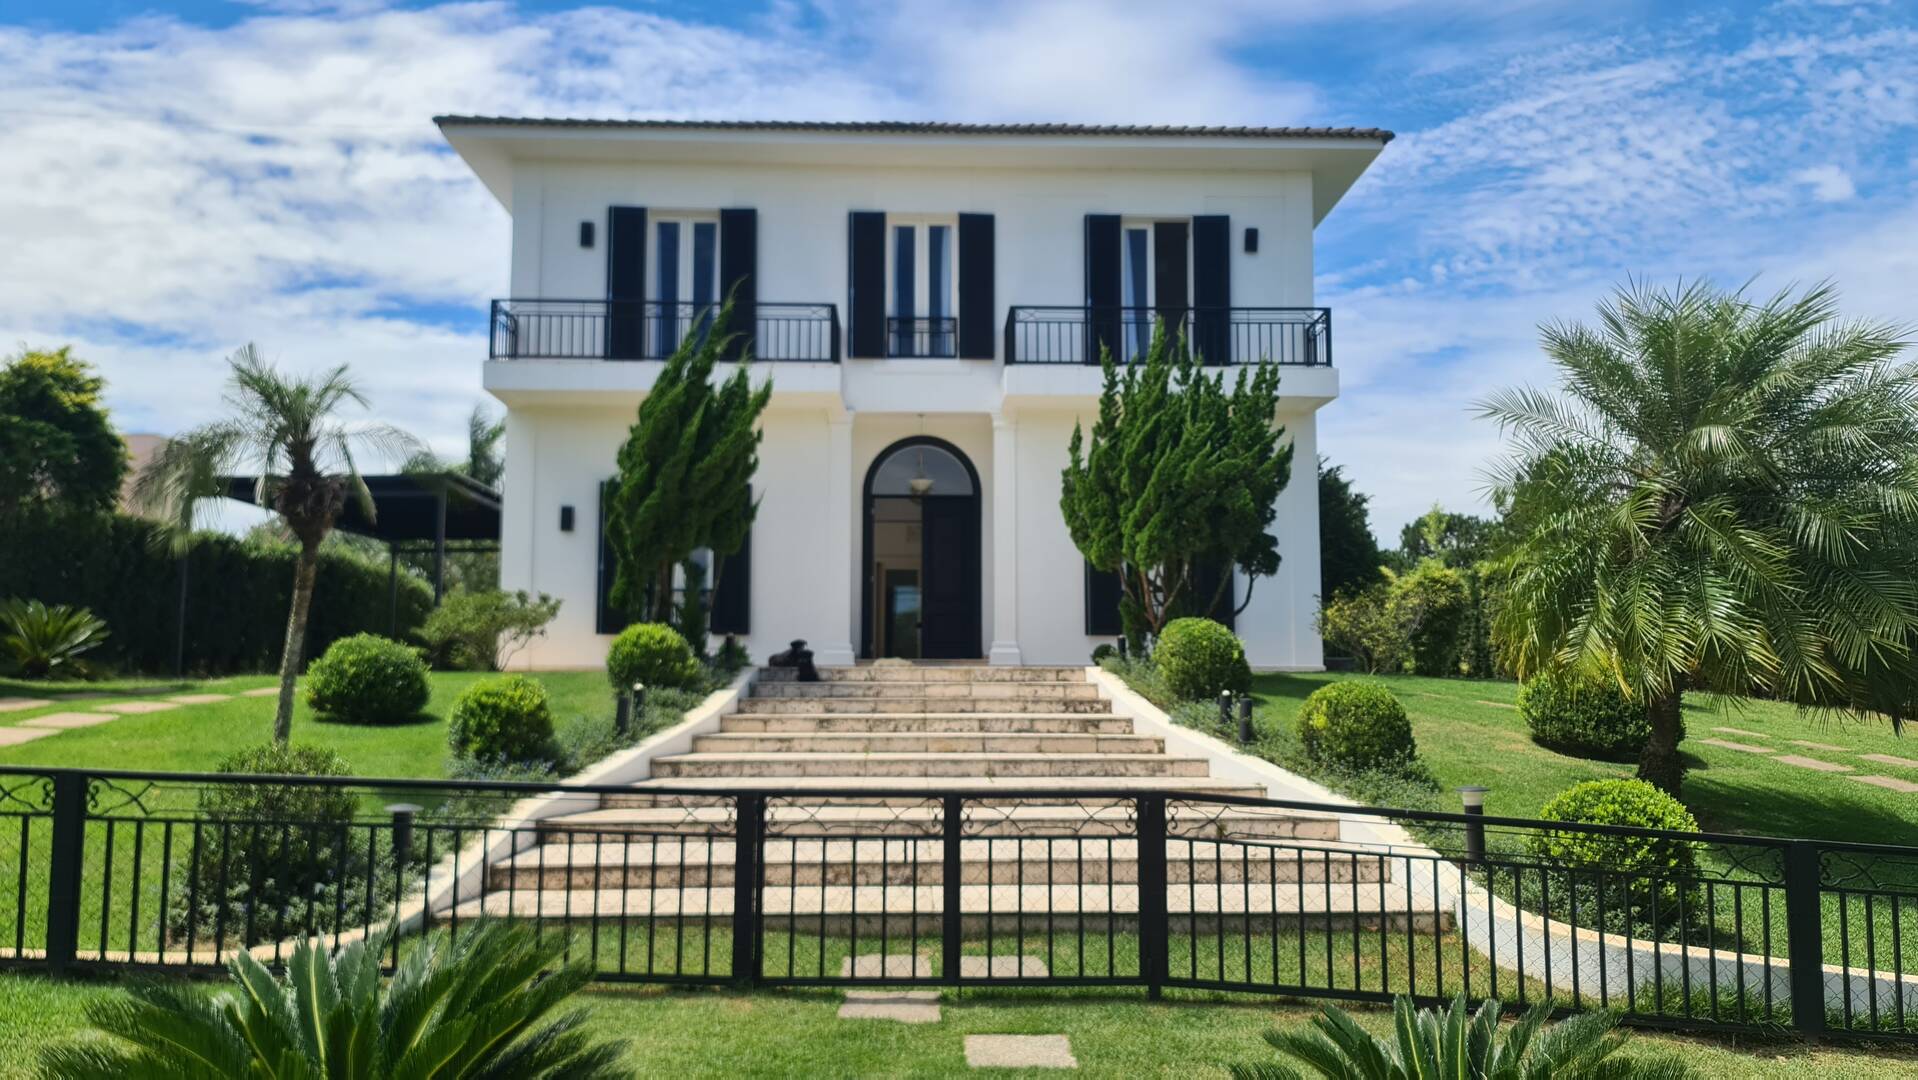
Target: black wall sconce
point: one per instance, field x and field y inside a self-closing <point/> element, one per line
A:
<point x="585" y="234"/>
<point x="1251" y="241"/>
<point x="565" y="519"/>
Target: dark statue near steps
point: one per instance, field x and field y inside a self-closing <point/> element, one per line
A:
<point x="796" y="657"/>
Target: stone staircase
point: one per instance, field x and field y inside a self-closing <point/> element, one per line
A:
<point x="898" y="729"/>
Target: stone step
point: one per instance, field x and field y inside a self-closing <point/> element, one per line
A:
<point x="595" y="862"/>
<point x="1096" y="818"/>
<point x="927" y="765"/>
<point x="1007" y="723"/>
<point x="929" y="673"/>
<point x="898" y="788"/>
<point x="925" y="742"/>
<point x="894" y="706"/>
<point x="889" y="691"/>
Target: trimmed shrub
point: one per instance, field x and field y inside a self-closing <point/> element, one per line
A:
<point x="1104" y="651"/>
<point x="506" y="719"/>
<point x="368" y="679"/>
<point x="1356" y="725"/>
<point x="283" y="848"/>
<point x="481" y="630"/>
<point x="1640" y="870"/>
<point x="1200" y="658"/>
<point x="654" y="654"/>
<point x="1584" y="718"/>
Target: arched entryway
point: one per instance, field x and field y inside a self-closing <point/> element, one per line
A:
<point x="922" y="553"/>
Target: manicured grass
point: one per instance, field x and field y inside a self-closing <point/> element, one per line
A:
<point x="707" y="1033"/>
<point x="193" y="738"/>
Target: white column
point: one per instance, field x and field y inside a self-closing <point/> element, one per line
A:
<point x="1005" y="541"/>
<point x="835" y="648"/>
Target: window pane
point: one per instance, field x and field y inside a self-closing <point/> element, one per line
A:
<point x="1134" y="296"/>
<point x="938" y="289"/>
<point x="705" y="273"/>
<point x="947" y="473"/>
<point x="666" y="286"/>
<point x="903" y="279"/>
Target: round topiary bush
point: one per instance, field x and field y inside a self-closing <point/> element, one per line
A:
<point x="1199" y="659"/>
<point x="1356" y="725"/>
<point x="368" y="679"/>
<point x="506" y="719"/>
<point x="654" y="654"/>
<point x="1640" y="871"/>
<point x="1104" y="651"/>
<point x="1584" y="718"/>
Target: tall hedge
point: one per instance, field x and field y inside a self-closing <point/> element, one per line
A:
<point x="237" y="595"/>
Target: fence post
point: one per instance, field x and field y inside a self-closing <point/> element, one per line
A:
<point x="1804" y="928"/>
<point x="748" y="840"/>
<point x="1153" y="931"/>
<point x="67" y="859"/>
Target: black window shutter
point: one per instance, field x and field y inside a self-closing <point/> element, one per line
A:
<point x="1102" y="602"/>
<point x="1212" y="288"/>
<point x="1169" y="274"/>
<point x="976" y="304"/>
<point x="866" y="283"/>
<point x="1102" y="285"/>
<point x="739" y="275"/>
<point x="625" y="283"/>
<point x="732" y="600"/>
<point x="607" y="620"/>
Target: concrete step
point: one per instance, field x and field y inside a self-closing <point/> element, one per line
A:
<point x="1098" y="818"/>
<point x="926" y="742"/>
<point x="593" y="862"/>
<point x="1008" y="723"/>
<point x="930" y="673"/>
<point x="927" y="765"/>
<point x="996" y="691"/>
<point x="898" y="788"/>
<point x="894" y="706"/>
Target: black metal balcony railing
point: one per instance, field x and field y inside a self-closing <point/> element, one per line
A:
<point x="652" y="329"/>
<point x="931" y="336"/>
<point x="1075" y="335"/>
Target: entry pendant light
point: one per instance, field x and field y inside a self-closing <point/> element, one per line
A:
<point x="921" y="483"/>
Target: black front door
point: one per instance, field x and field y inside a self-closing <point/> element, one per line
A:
<point x="949" y="579"/>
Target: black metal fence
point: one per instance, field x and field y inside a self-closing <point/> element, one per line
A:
<point x="1299" y="337"/>
<point x="652" y="329"/>
<point x="973" y="888"/>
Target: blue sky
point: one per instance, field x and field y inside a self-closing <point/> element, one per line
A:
<point x="182" y="178"/>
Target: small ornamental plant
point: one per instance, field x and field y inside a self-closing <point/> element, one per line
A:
<point x="368" y="679"/>
<point x="1200" y="659"/>
<point x="1646" y="876"/>
<point x="654" y="655"/>
<point x="1584" y="718"/>
<point x="506" y="719"/>
<point x="1357" y="725"/>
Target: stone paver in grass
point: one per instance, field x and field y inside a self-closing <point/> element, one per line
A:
<point x="60" y="721"/>
<point x="264" y="691"/>
<point x="14" y="736"/>
<point x="202" y="699"/>
<point x="1002" y="967"/>
<point x="1020" y="1052"/>
<point x="1497" y="704"/>
<point x="1891" y="759"/>
<point x="139" y="706"/>
<point x="1741" y="731"/>
<point x="1825" y="746"/>
<point x="15" y="704"/>
<point x="892" y="966"/>
<point x="1890" y="783"/>
<point x="904" y="1006"/>
<point x="1743" y="748"/>
<point x="1811" y="763"/>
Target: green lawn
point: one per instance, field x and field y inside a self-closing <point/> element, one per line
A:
<point x="193" y="738"/>
<point x="702" y="1033"/>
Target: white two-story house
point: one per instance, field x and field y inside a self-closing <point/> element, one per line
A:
<point x="928" y="302"/>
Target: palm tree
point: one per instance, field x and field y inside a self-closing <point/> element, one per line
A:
<point x="284" y="427"/>
<point x="471" y="1008"/>
<point x="1721" y="498"/>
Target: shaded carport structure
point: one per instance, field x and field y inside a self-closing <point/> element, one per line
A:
<point x="436" y="512"/>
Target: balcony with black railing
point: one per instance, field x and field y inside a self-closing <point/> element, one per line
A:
<point x="925" y="337"/>
<point x="653" y="329"/>
<point x="1299" y="337"/>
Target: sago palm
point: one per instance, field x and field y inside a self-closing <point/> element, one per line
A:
<point x="1721" y="497"/>
<point x="44" y="641"/>
<point x="473" y="1008"/>
<point x="285" y="429"/>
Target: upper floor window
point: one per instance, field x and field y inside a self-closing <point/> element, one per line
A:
<point x="684" y="274"/>
<point x="1154" y="270"/>
<point x="921" y="253"/>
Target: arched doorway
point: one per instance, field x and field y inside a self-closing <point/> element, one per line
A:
<point x="922" y="553"/>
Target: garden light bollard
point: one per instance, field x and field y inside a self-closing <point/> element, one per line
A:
<point x="1474" y="800"/>
<point x="1245" y="719"/>
<point x="403" y="814"/>
<point x="630" y="704"/>
<point x="1225" y="709"/>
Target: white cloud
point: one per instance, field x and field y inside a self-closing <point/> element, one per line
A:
<point x="1828" y="183"/>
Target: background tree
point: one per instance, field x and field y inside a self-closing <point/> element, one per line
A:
<point x="56" y="443"/>
<point x="1718" y="499"/>
<point x="1458" y="540"/>
<point x="1349" y="556"/>
<point x="1179" y="474"/>
<point x="685" y="475"/>
<point x="284" y="429"/>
